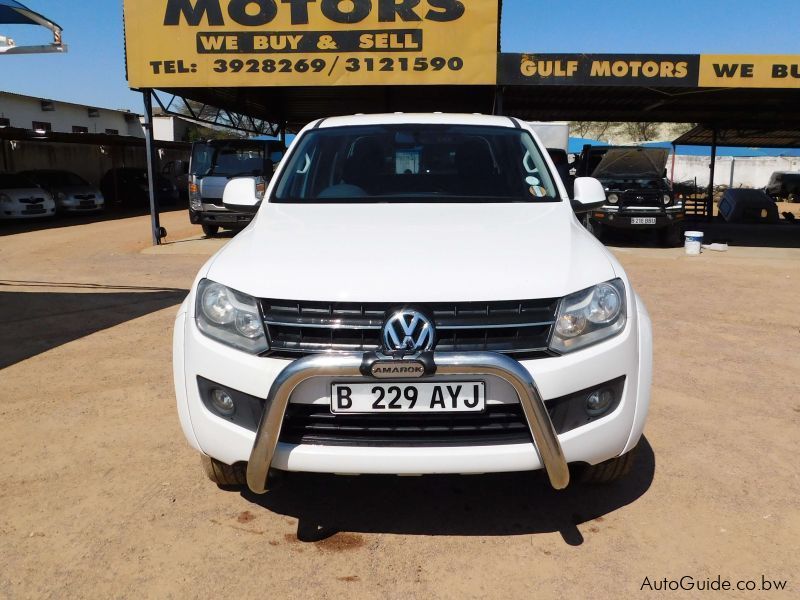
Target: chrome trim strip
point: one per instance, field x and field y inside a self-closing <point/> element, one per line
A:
<point x="493" y="326"/>
<point x="324" y="325"/>
<point x="378" y="327"/>
<point x="447" y="363"/>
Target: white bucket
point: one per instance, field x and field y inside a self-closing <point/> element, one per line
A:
<point x="694" y="239"/>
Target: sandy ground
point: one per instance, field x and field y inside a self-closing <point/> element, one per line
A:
<point x="102" y="498"/>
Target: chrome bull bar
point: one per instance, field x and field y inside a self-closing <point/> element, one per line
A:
<point x="446" y="363"/>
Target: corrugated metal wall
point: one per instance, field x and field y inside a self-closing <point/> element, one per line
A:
<point x="87" y="160"/>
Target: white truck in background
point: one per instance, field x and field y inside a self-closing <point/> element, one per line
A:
<point x="555" y="137"/>
<point x="553" y="134"/>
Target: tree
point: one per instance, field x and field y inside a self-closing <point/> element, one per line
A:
<point x="589" y="129"/>
<point x="642" y="132"/>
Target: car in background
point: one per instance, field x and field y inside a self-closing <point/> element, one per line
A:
<point x="560" y="159"/>
<point x="784" y="186"/>
<point x="129" y="187"/>
<point x="214" y="163"/>
<point x="20" y="198"/>
<point x="71" y="192"/>
<point x="177" y="171"/>
<point x="638" y="193"/>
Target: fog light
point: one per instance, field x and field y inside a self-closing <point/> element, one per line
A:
<point x="222" y="402"/>
<point x="598" y="402"/>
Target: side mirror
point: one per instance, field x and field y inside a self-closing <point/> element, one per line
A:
<point x="240" y="195"/>
<point x="589" y="194"/>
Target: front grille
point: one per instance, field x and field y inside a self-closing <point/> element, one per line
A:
<point x="518" y="328"/>
<point x="84" y="196"/>
<point x="31" y="200"/>
<point x="315" y="424"/>
<point x="637" y="198"/>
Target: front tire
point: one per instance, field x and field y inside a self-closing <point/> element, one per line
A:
<point x="671" y="236"/>
<point x="224" y="475"/>
<point x="611" y="470"/>
<point x="210" y="230"/>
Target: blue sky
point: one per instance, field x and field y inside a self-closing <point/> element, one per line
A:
<point x="93" y="71"/>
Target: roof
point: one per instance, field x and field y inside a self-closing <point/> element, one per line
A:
<point x="38" y="99"/>
<point x="725" y="107"/>
<point x="298" y="106"/>
<point x="401" y="118"/>
<point x="15" y="13"/>
<point x="761" y="137"/>
<point x="99" y="139"/>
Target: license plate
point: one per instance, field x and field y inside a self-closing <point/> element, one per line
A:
<point x="33" y="209"/>
<point x="643" y="220"/>
<point x="445" y="397"/>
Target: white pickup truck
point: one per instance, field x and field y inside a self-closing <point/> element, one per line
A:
<point x="415" y="295"/>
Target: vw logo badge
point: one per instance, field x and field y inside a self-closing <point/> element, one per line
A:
<point x="408" y="332"/>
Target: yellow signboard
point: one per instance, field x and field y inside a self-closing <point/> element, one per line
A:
<point x="242" y="43"/>
<point x="750" y="71"/>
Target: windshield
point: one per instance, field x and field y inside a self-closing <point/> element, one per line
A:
<point x="59" y="178"/>
<point x="10" y="181"/>
<point x="416" y="163"/>
<point x="234" y="158"/>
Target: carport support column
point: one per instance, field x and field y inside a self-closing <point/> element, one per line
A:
<point x="713" y="170"/>
<point x="151" y="165"/>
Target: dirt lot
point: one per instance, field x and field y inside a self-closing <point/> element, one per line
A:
<point x="101" y="496"/>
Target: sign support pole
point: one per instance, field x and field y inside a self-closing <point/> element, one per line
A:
<point x="155" y="224"/>
<point x="713" y="167"/>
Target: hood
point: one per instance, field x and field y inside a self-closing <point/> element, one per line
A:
<point x="26" y="193"/>
<point x="71" y="190"/>
<point x="412" y="253"/>
<point x="632" y="163"/>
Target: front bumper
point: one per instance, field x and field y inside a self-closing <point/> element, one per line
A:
<point x="221" y="218"/>
<point x="23" y="211"/>
<point x="629" y="354"/>
<point x="76" y="207"/>
<point x="353" y="365"/>
<point x="625" y="219"/>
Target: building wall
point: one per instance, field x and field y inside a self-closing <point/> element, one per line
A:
<point x="748" y="172"/>
<point x="22" y="111"/>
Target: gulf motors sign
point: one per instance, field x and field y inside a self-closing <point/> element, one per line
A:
<point x="662" y="70"/>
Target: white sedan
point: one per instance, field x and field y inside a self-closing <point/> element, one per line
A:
<point x="20" y="198"/>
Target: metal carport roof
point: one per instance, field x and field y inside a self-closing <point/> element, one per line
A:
<point x="297" y="106"/>
<point x="703" y="135"/>
<point x="16" y="13"/>
<point x="758" y="108"/>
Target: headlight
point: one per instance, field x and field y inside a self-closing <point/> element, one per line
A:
<point x="590" y="316"/>
<point x="667" y="199"/>
<point x="230" y="317"/>
<point x="261" y="187"/>
<point x="61" y="196"/>
<point x="194" y="197"/>
<point x="5" y="199"/>
<point x="613" y="198"/>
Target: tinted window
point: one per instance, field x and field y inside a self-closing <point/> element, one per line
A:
<point x="229" y="159"/>
<point x="416" y="163"/>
